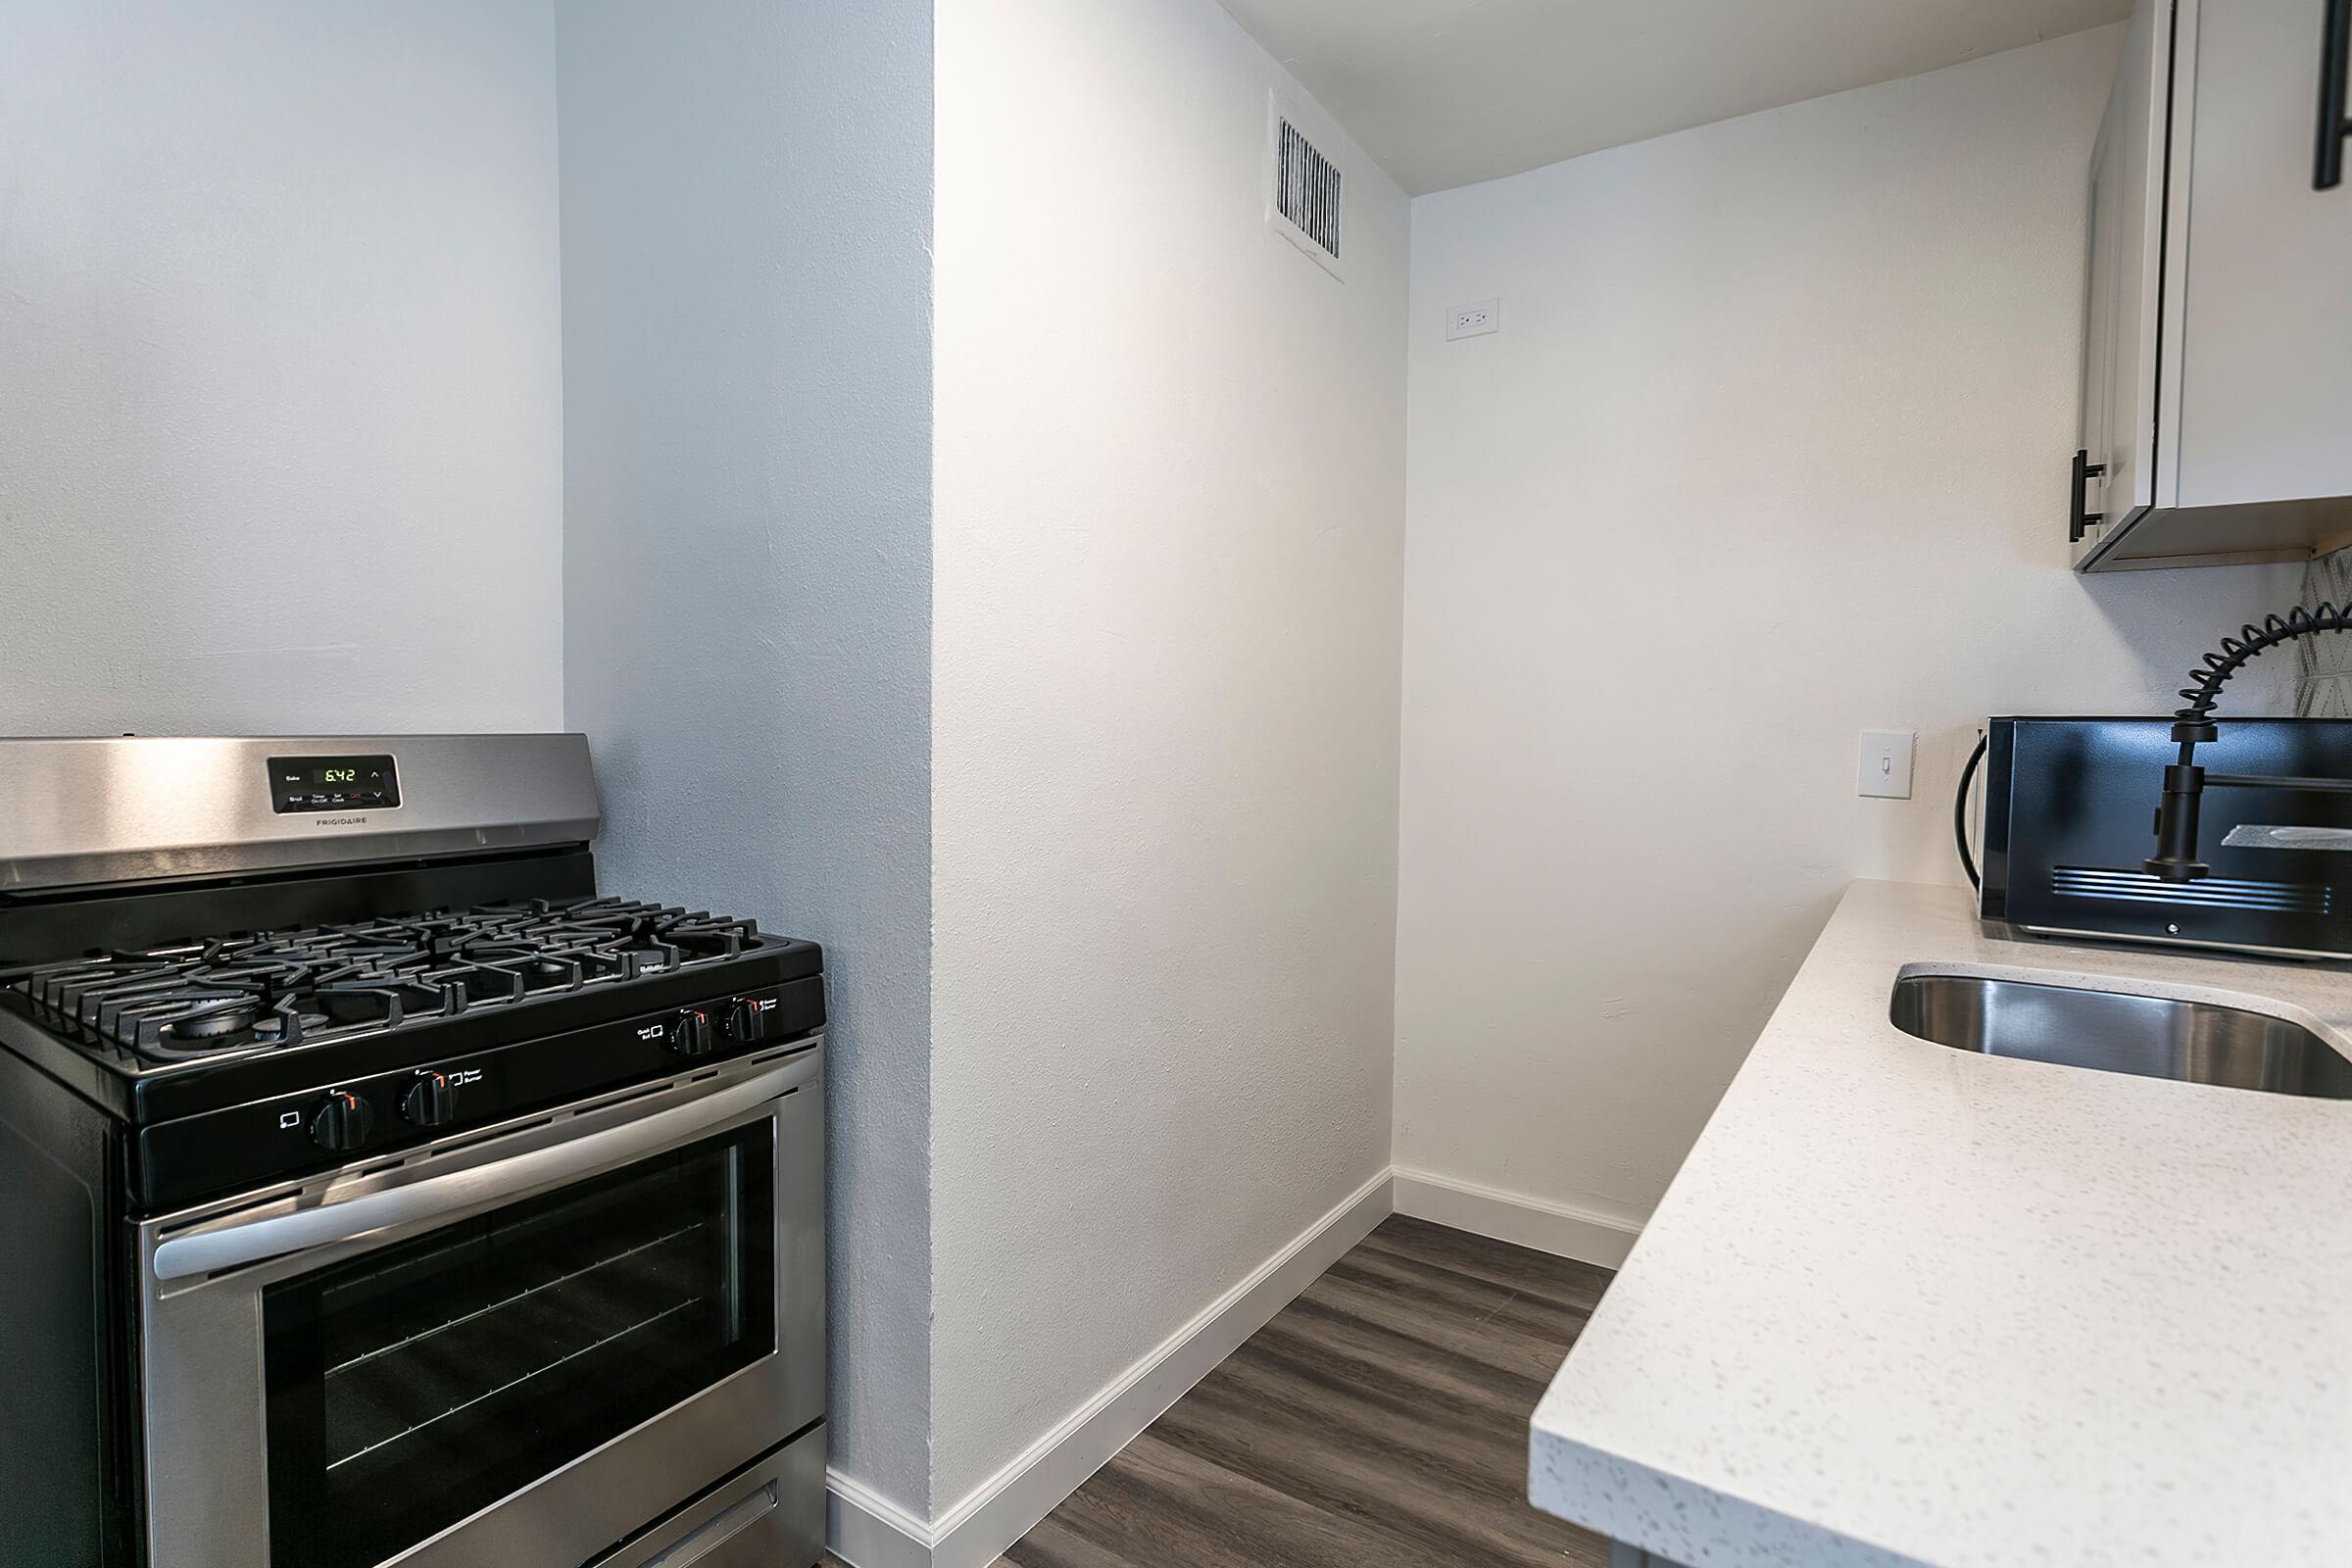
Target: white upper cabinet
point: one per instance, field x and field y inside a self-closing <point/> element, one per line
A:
<point x="2217" y="373"/>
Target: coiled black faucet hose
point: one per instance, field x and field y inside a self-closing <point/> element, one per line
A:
<point x="2176" y="858"/>
<point x="2205" y="684"/>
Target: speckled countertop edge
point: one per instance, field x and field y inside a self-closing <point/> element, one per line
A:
<point x="1906" y="1304"/>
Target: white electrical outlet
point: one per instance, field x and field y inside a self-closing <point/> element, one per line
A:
<point x="1886" y="771"/>
<point x="1474" y="320"/>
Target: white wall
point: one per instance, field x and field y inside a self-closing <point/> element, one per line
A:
<point x="1771" y="447"/>
<point x="280" y="371"/>
<point x="747" y="565"/>
<point x="1168" y="490"/>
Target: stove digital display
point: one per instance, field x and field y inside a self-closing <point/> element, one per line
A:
<point x="332" y="784"/>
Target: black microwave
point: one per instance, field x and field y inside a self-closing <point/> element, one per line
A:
<point x="2069" y="817"/>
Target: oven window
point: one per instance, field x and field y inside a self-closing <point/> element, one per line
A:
<point x="415" y="1385"/>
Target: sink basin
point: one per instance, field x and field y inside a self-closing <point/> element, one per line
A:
<point x="2111" y="1031"/>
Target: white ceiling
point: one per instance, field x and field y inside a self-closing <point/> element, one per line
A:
<point x="1447" y="92"/>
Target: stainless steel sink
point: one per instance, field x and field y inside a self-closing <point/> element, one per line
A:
<point x="2111" y="1031"/>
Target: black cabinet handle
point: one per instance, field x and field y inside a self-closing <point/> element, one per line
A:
<point x="2335" y="115"/>
<point x="2076" y="519"/>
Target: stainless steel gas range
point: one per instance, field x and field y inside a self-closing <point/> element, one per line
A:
<point x="373" y="1191"/>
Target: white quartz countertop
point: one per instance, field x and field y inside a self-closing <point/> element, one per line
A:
<point x="1911" y="1304"/>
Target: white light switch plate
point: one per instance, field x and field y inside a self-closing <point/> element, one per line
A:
<point x="1885" y="764"/>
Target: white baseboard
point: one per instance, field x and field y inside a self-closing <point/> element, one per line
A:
<point x="1591" y="1231"/>
<point x="869" y="1531"/>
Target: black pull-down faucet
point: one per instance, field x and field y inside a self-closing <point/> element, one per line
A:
<point x="2184" y="782"/>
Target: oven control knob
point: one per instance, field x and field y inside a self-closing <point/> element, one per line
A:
<point x="343" y="1122"/>
<point x="691" y="1035"/>
<point x="432" y="1101"/>
<point x="746" y="1022"/>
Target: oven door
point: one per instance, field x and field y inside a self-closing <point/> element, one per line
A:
<point x="514" y="1346"/>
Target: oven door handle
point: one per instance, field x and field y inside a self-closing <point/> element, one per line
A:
<point x="328" y="1224"/>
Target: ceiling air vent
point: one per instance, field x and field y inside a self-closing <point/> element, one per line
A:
<point x="1304" y="195"/>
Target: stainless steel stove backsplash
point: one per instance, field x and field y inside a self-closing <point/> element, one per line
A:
<point x="2324" y="664"/>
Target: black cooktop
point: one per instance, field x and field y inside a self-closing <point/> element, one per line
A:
<point x="252" y="1057"/>
<point x="193" y="1026"/>
<point x="314" y="984"/>
<point x="264" y="987"/>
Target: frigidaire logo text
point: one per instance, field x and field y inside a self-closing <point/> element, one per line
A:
<point x="341" y="821"/>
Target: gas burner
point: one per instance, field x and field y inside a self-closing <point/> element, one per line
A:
<point x="268" y="989"/>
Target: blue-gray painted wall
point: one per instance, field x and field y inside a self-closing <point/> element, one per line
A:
<point x="747" y="571"/>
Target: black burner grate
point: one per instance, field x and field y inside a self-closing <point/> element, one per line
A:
<point x="283" y="988"/>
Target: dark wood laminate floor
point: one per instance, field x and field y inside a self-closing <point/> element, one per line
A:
<point x="1379" y="1421"/>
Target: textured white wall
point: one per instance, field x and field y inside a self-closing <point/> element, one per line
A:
<point x="1771" y="448"/>
<point x="281" y="366"/>
<point x="747" y="565"/>
<point x="1169" y="495"/>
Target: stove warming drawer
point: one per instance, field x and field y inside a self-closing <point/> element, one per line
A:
<point x="773" y="1514"/>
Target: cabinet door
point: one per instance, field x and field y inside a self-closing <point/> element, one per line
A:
<point x="2101" y="272"/>
<point x="2126" y="217"/>
<point x="2266" y="342"/>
